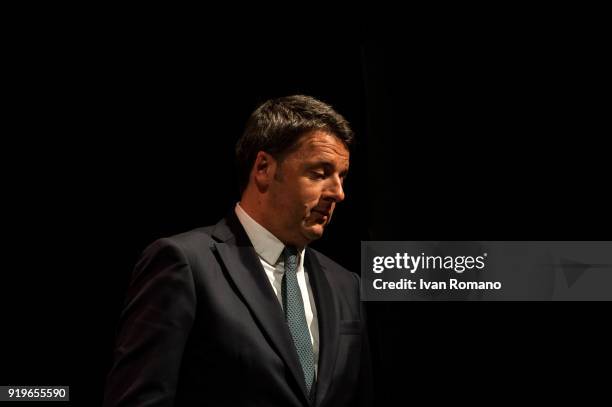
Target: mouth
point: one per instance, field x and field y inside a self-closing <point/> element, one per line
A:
<point x="322" y="212"/>
<point x="321" y="216"/>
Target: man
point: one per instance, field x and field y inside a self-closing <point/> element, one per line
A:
<point x="243" y="313"/>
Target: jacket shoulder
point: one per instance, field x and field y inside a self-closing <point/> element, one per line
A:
<point x="192" y="237"/>
<point x="189" y="243"/>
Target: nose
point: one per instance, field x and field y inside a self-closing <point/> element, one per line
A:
<point x="334" y="190"/>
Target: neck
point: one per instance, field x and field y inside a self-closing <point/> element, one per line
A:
<point x="255" y="206"/>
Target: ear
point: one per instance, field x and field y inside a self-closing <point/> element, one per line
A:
<point x="263" y="171"/>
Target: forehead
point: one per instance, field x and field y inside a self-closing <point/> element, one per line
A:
<point x="319" y="145"/>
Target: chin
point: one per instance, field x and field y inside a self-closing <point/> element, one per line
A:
<point x="315" y="232"/>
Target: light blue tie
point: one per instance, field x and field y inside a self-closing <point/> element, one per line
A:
<point x="296" y="318"/>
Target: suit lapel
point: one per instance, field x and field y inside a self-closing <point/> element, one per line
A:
<point x="328" y="323"/>
<point x="244" y="268"/>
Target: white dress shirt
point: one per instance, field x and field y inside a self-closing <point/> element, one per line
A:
<point x="269" y="250"/>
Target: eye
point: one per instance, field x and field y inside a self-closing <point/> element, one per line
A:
<point x="318" y="174"/>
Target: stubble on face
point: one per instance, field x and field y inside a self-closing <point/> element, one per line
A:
<point x="300" y="197"/>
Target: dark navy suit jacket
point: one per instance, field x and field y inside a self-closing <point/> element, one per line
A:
<point x="202" y="327"/>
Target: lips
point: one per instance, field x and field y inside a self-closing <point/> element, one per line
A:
<point x="322" y="212"/>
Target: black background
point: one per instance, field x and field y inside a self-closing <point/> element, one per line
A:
<point x="123" y="133"/>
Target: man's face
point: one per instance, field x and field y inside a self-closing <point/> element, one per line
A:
<point x="306" y="186"/>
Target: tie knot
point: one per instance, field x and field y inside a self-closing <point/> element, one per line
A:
<point x="290" y="254"/>
<point x="290" y="251"/>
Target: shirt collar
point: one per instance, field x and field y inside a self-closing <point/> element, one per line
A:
<point x="266" y="245"/>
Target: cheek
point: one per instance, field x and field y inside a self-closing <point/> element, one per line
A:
<point x="310" y="194"/>
<point x="291" y="201"/>
<point x="297" y="199"/>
